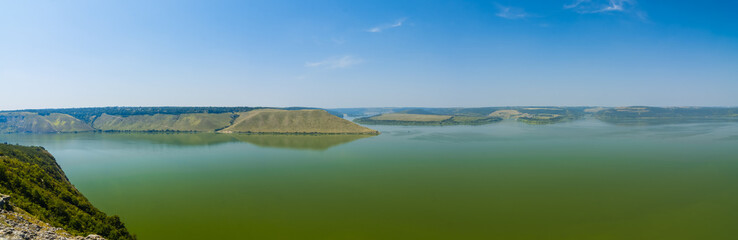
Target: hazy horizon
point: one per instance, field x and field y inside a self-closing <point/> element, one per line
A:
<point x="318" y="107"/>
<point x="382" y="53"/>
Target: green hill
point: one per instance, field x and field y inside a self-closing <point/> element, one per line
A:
<point x="294" y="121"/>
<point x="176" y="119"/>
<point x="15" y="122"/>
<point x="37" y="185"/>
<point x="195" y="122"/>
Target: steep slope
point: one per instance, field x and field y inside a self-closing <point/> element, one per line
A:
<point x="37" y="185"/>
<point x="20" y="225"/>
<point x="294" y="121"/>
<point x="194" y="122"/>
<point x="14" y="122"/>
<point x="508" y="114"/>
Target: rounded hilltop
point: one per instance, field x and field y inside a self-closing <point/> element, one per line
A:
<point x="309" y="121"/>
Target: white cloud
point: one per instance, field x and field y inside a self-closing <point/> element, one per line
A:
<point x="574" y="4"/>
<point x="599" y="6"/>
<point x="381" y="28"/>
<point x="335" y="62"/>
<point x="511" y="12"/>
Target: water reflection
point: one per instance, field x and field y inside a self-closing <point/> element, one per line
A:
<point x="667" y="121"/>
<point x="312" y="142"/>
<point x="304" y="142"/>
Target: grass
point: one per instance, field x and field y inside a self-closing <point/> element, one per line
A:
<point x="507" y="114"/>
<point x="294" y="121"/>
<point x="194" y="122"/>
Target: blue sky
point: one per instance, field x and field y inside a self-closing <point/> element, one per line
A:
<point x="368" y="53"/>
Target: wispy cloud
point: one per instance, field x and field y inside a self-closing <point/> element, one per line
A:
<point x="335" y="62"/>
<point x="511" y="12"/>
<point x="381" y="28"/>
<point x="600" y="6"/>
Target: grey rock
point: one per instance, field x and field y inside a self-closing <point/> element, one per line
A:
<point x="16" y="226"/>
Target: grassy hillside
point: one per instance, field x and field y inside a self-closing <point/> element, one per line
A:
<point x="14" y="122"/>
<point x="37" y="185"/>
<point x="508" y="114"/>
<point x="295" y="121"/>
<point x="195" y="122"/>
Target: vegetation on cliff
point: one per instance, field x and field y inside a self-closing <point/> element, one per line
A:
<point x="37" y="185"/>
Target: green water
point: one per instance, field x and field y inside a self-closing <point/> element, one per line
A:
<point x="578" y="180"/>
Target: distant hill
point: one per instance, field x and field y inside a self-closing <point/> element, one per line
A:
<point x="216" y="119"/>
<point x="194" y="122"/>
<point x="473" y="116"/>
<point x="33" y="122"/>
<point x="89" y="114"/>
<point x="37" y="185"/>
<point x="295" y="121"/>
<point x="177" y="119"/>
<point x="421" y="117"/>
<point x="657" y="115"/>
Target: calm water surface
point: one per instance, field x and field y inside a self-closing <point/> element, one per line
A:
<point x="578" y="180"/>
